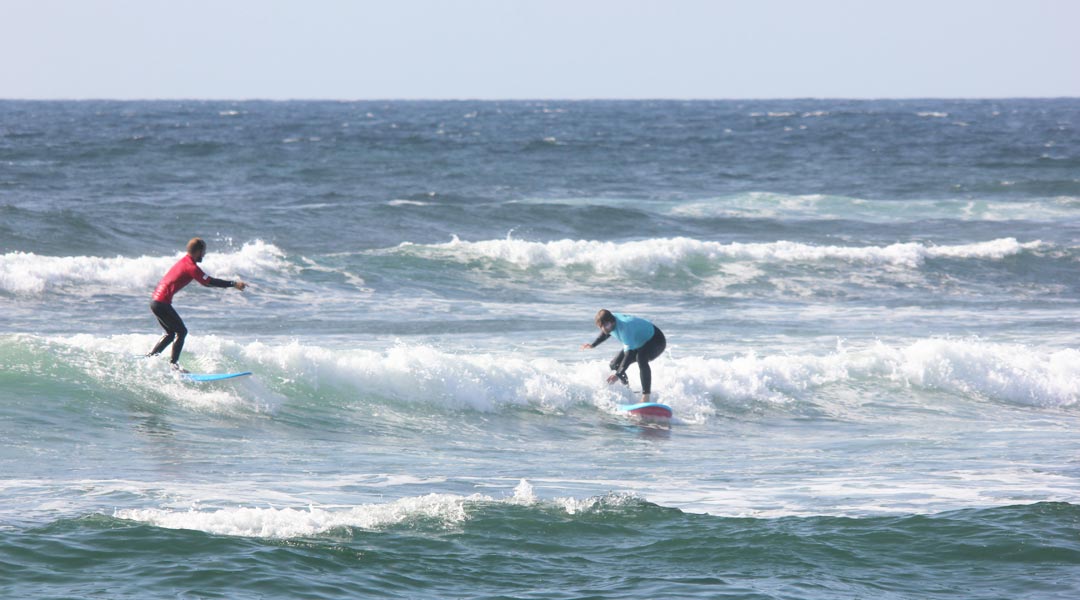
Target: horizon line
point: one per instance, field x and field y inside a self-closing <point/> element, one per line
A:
<point x="536" y="99"/>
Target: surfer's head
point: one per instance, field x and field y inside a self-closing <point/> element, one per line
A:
<point x="605" y="320"/>
<point x="196" y="249"/>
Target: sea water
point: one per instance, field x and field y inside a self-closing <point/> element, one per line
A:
<point x="871" y="312"/>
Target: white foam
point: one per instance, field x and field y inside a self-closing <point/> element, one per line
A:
<point x="118" y="361"/>
<point x="816" y="207"/>
<point x="971" y="368"/>
<point x="695" y="386"/>
<point x="28" y="273"/>
<point x="653" y="254"/>
<point x="47" y="498"/>
<point x="808" y="207"/>
<point x="1007" y="372"/>
<point x="422" y="373"/>
<point x="277" y="523"/>
<point x="850" y="492"/>
<point x="291" y="522"/>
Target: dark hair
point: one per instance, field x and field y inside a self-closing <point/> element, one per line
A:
<point x="604" y="316"/>
<point x="195" y="245"/>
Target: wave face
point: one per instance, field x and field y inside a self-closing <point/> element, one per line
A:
<point x="870" y="312"/>
<point x="410" y="375"/>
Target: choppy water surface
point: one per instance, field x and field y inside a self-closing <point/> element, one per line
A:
<point x="871" y="310"/>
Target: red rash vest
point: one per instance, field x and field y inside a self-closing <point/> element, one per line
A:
<point x="182" y="273"/>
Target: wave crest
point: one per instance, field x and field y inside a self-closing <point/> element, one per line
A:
<point x="28" y="273"/>
<point x="697" y="387"/>
<point x="650" y="255"/>
<point x="446" y="510"/>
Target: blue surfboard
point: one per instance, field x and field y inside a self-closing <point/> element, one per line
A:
<point x="652" y="410"/>
<point x="213" y="376"/>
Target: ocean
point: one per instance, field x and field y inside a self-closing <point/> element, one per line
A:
<point x="871" y="310"/>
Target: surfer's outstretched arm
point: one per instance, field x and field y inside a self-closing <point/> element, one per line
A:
<point x="599" y="340"/>
<point x="224" y="283"/>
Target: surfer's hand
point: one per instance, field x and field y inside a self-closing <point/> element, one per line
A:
<point x="240" y="285"/>
<point x="613" y="378"/>
<point x="586" y="346"/>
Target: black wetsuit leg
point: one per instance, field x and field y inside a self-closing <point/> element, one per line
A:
<point x="174" y="330"/>
<point x="652" y="348"/>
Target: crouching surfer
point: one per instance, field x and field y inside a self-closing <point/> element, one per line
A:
<point x="182" y="273"/>
<point x="642" y="342"/>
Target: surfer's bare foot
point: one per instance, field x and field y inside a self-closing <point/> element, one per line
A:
<point x="178" y="368"/>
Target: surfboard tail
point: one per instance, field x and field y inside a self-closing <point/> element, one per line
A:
<point x="651" y="410"/>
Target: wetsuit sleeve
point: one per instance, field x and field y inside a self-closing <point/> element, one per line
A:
<point x="219" y="283"/>
<point x="600" y="339"/>
<point x="209" y="281"/>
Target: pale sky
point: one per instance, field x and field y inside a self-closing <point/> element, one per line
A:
<point x="538" y="49"/>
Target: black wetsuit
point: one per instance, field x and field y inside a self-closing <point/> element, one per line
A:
<point x="174" y="329"/>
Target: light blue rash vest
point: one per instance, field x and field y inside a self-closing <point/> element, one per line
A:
<point x="632" y="331"/>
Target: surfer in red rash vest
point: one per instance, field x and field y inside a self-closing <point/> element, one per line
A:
<point x="182" y="273"/>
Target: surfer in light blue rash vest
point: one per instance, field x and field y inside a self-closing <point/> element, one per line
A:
<point x="642" y="342"/>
